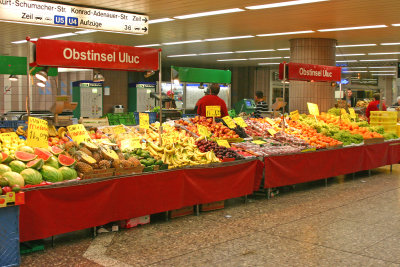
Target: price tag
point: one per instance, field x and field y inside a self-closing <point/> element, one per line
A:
<point x="119" y="129"/>
<point x="213" y="111"/>
<point x="78" y="133"/>
<point x="352" y="113"/>
<point x="10" y="197"/>
<point x="223" y="143"/>
<point x="345" y="117"/>
<point x="240" y="121"/>
<point x="130" y="143"/>
<point x="3" y="202"/>
<point x="203" y="130"/>
<point x="309" y="149"/>
<point x="38" y="133"/>
<point x="144" y="121"/>
<point x="343" y="111"/>
<point x="313" y="109"/>
<point x="259" y="142"/>
<point x="294" y="115"/>
<point x="272" y="131"/>
<point x="270" y="121"/>
<point x="228" y="120"/>
<point x="8" y="137"/>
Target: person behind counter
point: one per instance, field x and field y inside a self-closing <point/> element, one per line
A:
<point x="261" y="105"/>
<point x="350" y="100"/>
<point x="398" y="102"/>
<point x="374" y="105"/>
<point x="211" y="100"/>
<point x="206" y="92"/>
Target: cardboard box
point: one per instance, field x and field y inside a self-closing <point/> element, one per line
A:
<point x="127" y="171"/>
<point x="373" y="141"/>
<point x="133" y="222"/>
<point x="182" y="212"/>
<point x="213" y="206"/>
<point x="99" y="174"/>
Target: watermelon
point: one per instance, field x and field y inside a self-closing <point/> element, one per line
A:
<point x="26" y="149"/>
<point x="17" y="166"/>
<point x="42" y="154"/>
<point x="53" y="162"/>
<point x="51" y="174"/>
<point x="14" y="178"/>
<point x="35" y="164"/>
<point x="24" y="156"/>
<point x="6" y="157"/>
<point x="31" y="176"/>
<point x="3" y="182"/>
<point x="65" y="160"/>
<point x="4" y="168"/>
<point x="68" y="173"/>
<point x="56" y="150"/>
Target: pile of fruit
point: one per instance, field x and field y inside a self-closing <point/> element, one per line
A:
<point x="217" y="129"/>
<point x="219" y="151"/>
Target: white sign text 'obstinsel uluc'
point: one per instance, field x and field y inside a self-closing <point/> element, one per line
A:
<point x="318" y="73"/>
<point x="91" y="55"/>
<point x="45" y="13"/>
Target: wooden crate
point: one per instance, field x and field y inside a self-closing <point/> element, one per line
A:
<point x="373" y="141"/>
<point x="182" y="212"/>
<point x="213" y="206"/>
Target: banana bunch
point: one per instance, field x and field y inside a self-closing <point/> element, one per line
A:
<point x="62" y="131"/>
<point x="52" y="131"/>
<point x="20" y="131"/>
<point x="179" y="150"/>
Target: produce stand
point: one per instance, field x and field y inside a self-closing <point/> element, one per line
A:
<point x="312" y="166"/>
<point x="63" y="208"/>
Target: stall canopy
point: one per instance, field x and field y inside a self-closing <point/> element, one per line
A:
<point x="17" y="66"/>
<point x="198" y="75"/>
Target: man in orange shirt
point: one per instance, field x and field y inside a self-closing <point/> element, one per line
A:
<point x="211" y="100"/>
<point x="374" y="105"/>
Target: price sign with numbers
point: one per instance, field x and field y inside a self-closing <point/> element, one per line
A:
<point x="144" y="121"/>
<point x="352" y="113"/>
<point x="294" y="115"/>
<point x="9" y="137"/>
<point x="259" y="142"/>
<point x="203" y="131"/>
<point x="272" y="131"/>
<point x="240" y="121"/>
<point x="343" y="111"/>
<point x="213" y="111"/>
<point x="313" y="109"/>
<point x="130" y="143"/>
<point x="223" y="143"/>
<point x="270" y="121"/>
<point x="78" y="133"/>
<point x="38" y="133"/>
<point x="231" y="123"/>
<point x="119" y="129"/>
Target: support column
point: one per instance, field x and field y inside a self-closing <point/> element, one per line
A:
<point x="312" y="51"/>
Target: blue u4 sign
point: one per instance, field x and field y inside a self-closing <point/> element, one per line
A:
<point x="72" y="21"/>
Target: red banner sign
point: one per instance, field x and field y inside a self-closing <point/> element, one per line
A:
<point x="309" y="72"/>
<point x="95" y="56"/>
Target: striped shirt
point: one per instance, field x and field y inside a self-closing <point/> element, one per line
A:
<point x="261" y="107"/>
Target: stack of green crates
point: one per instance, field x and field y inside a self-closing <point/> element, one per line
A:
<point x="386" y="119"/>
<point x="121" y="118"/>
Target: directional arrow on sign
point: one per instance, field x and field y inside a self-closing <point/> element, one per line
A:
<point x="145" y="29"/>
<point x="145" y="19"/>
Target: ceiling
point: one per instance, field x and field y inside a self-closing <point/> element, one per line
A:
<point x="312" y="16"/>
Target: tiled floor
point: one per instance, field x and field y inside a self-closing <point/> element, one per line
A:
<point x="349" y="223"/>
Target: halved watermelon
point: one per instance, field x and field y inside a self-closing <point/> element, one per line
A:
<point x="56" y="150"/>
<point x="42" y="154"/>
<point x="65" y="160"/>
<point x="24" y="156"/>
<point x="35" y="164"/>
<point x="6" y="158"/>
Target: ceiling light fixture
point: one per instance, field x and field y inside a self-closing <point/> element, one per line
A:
<point x="286" y="57"/>
<point x="376" y="60"/>
<point x="390" y="43"/>
<point x="355" y="67"/>
<point x="210" y="13"/>
<point x="354" y="71"/>
<point x="58" y="35"/>
<point x="42" y="74"/>
<point x="149" y="45"/>
<point x="396" y="25"/>
<point x="282" y="4"/>
<point x="384" y="53"/>
<point x="349" y="55"/>
<point x="183" y="42"/>
<point x="13" y="78"/>
<point x="85" y="31"/>
<point x="71" y="70"/>
<point x="160" y="20"/>
<point x="353" y="28"/>
<point x="228" y="38"/>
<point x="233" y="59"/>
<point x="382" y="67"/>
<point x="41" y="84"/>
<point x="383" y="74"/>
<point x="215" y="53"/>
<point x="393" y="71"/>
<point x="283" y="33"/>
<point x="264" y="58"/>
<point x="355" y="45"/>
<point x="343" y="61"/>
<point x="98" y="77"/>
<point x="255" y="51"/>
<point x="183" y="55"/>
<point x="23" y="41"/>
<point x="272" y="63"/>
<point x="283" y="49"/>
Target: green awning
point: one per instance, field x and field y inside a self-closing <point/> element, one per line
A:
<point x="17" y="66"/>
<point x="197" y="75"/>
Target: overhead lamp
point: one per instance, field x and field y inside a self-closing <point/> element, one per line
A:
<point x="283" y="49"/>
<point x="353" y="71"/>
<point x="282" y="4"/>
<point x="255" y="51"/>
<point x="384" y="53"/>
<point x="201" y="86"/>
<point x="355" y="45"/>
<point x="210" y="13"/>
<point x="42" y="74"/>
<point x="13" y="78"/>
<point x="215" y="53"/>
<point x="344" y="61"/>
<point x="41" y="84"/>
<point x="264" y="58"/>
<point x="271" y="63"/>
<point x="382" y="71"/>
<point x="390" y="43"/>
<point x="283" y="33"/>
<point x="183" y="42"/>
<point x="353" y="28"/>
<point x="377" y="60"/>
<point x="149" y="45"/>
<point x="228" y="38"/>
<point x="383" y="74"/>
<point x="233" y="59"/>
<point x="149" y="73"/>
<point x="160" y="20"/>
<point x="396" y="25"/>
<point x="349" y="55"/>
<point x="382" y="67"/>
<point x="98" y="77"/>
<point x="183" y="55"/>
